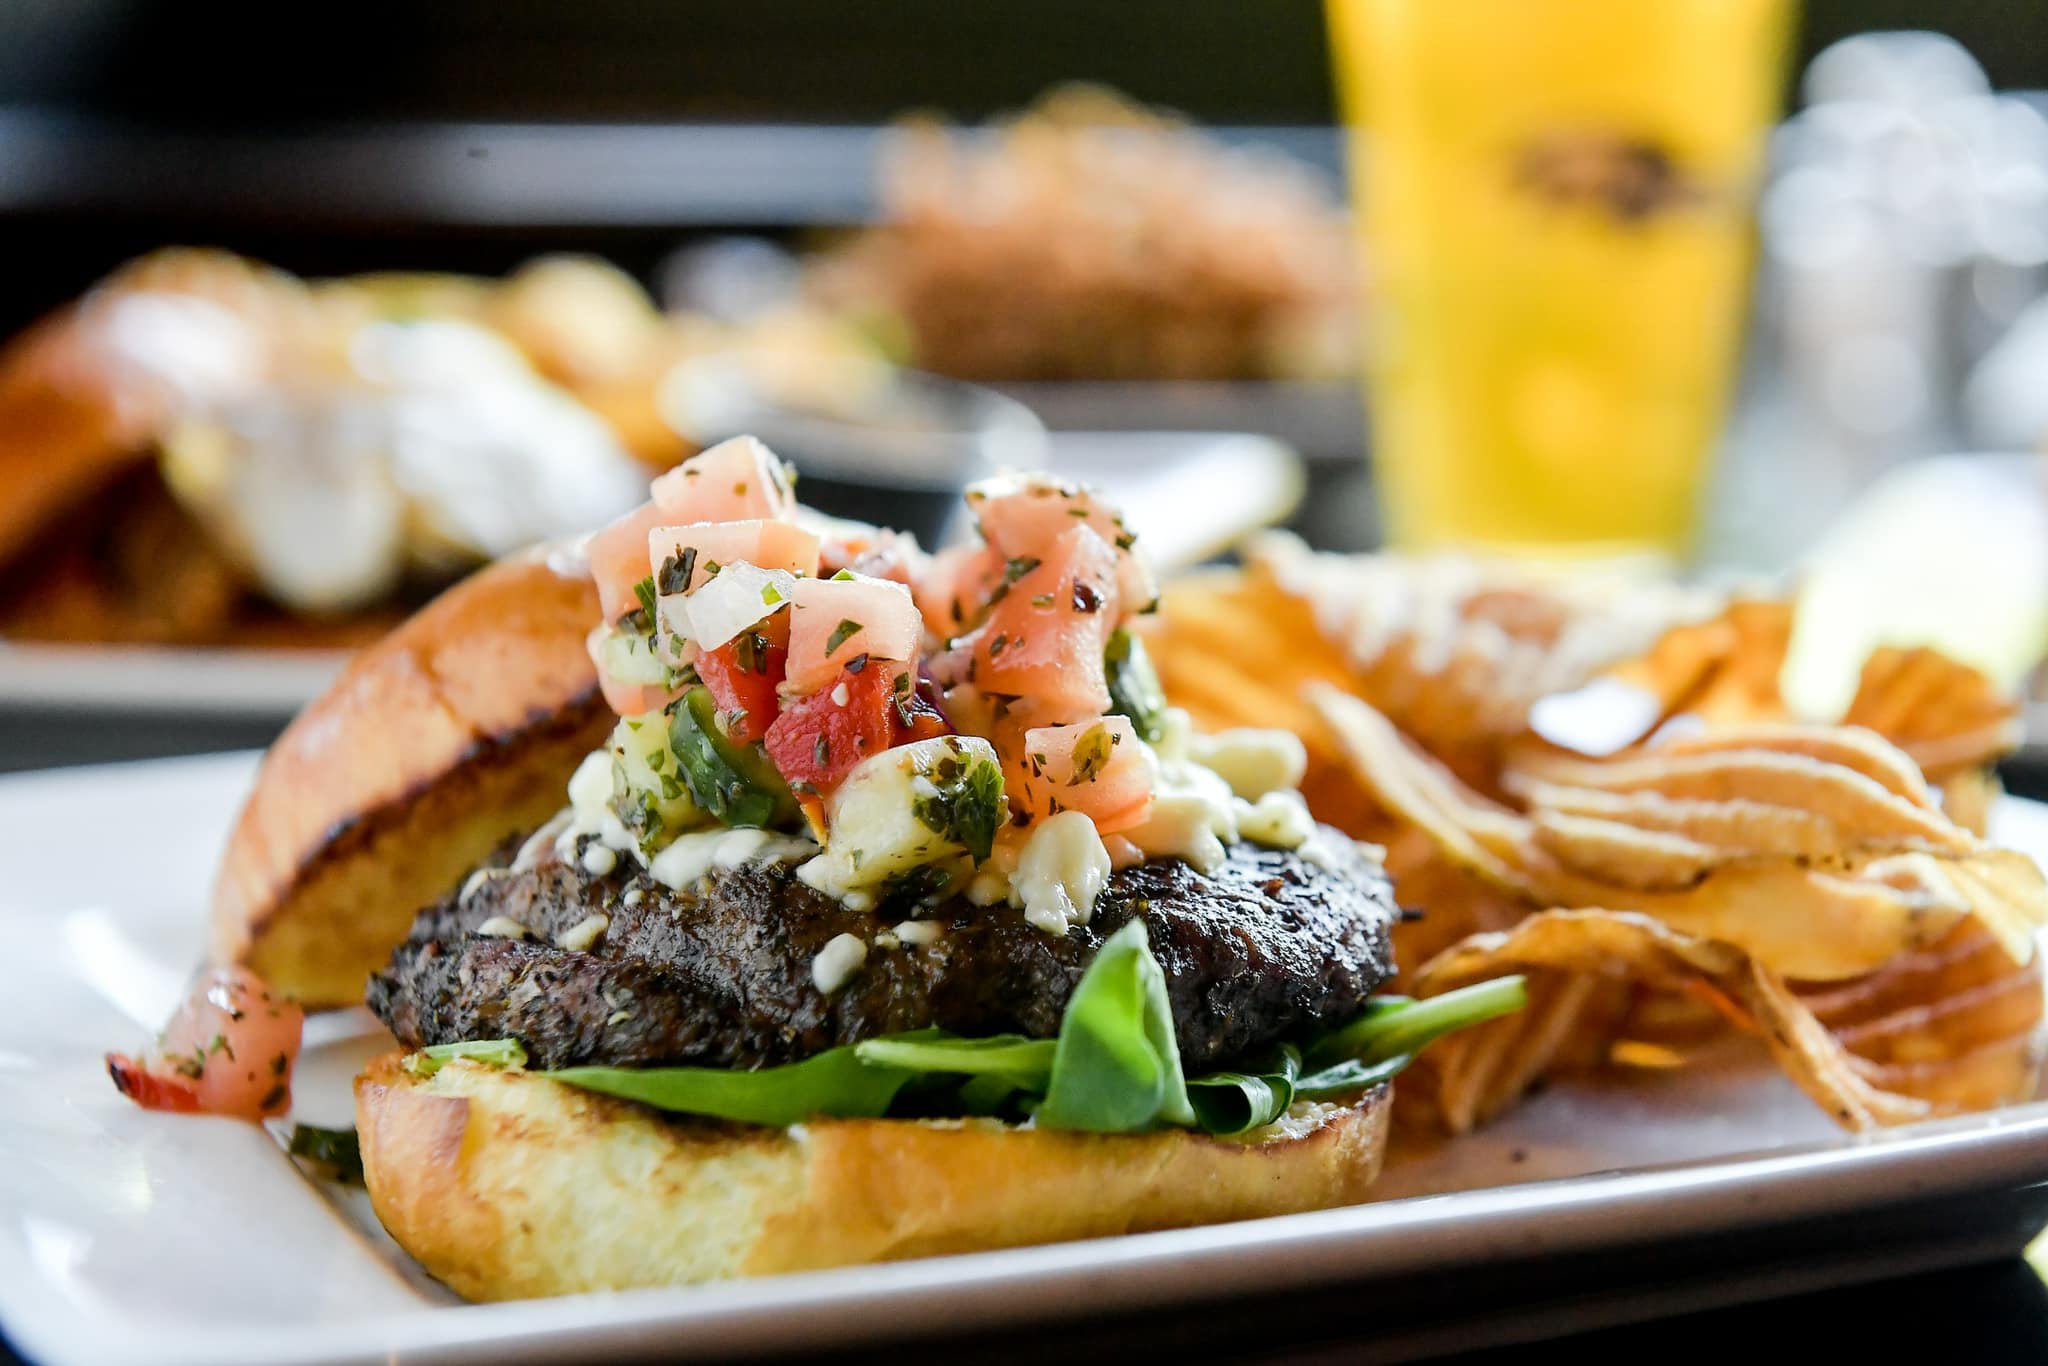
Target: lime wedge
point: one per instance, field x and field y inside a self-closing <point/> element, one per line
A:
<point x="1949" y="552"/>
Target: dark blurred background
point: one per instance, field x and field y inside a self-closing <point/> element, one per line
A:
<point x="332" y="138"/>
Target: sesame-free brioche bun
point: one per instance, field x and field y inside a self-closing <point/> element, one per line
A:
<point x="454" y="732"/>
<point x="506" y="1185"/>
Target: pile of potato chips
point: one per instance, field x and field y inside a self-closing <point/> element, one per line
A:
<point x="1599" y="786"/>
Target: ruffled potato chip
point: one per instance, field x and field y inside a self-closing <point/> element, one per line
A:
<point x="1946" y="1030"/>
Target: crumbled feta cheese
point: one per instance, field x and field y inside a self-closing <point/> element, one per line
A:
<point x="919" y="931"/>
<point x="598" y="860"/>
<point x="1060" y="871"/>
<point x="839" y="694"/>
<point x="837" y="962"/>
<point x="548" y="839"/>
<point x="1253" y="761"/>
<point x="477" y="881"/>
<point x="580" y="936"/>
<point x="1278" y="820"/>
<point x="692" y="856"/>
<point x="503" y="927"/>
<point x="631" y="898"/>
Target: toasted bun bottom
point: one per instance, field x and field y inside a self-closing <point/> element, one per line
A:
<point x="506" y="1185"/>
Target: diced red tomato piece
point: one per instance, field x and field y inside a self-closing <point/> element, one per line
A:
<point x="735" y="480"/>
<point x="149" y="1090"/>
<point x="618" y="559"/>
<point x="1023" y="516"/>
<point x="835" y="621"/>
<point x="1097" y="767"/>
<point x="745" y="696"/>
<point x="764" y="544"/>
<point x="228" y="1050"/>
<point x="816" y="739"/>
<point x="1043" y="640"/>
<point x="918" y="717"/>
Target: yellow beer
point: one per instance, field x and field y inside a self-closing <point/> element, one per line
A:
<point x="1554" y="199"/>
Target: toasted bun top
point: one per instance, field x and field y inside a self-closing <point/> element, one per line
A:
<point x="459" y="728"/>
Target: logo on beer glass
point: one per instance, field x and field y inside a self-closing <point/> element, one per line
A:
<point x="1631" y="180"/>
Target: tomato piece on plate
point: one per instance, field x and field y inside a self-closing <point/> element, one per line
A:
<point x="228" y="1050"/>
<point x="148" y="1089"/>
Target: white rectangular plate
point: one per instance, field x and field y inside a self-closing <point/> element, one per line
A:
<point x="127" y="1236"/>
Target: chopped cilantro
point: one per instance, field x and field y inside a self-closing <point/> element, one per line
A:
<point x="676" y="571"/>
<point x="846" y="630"/>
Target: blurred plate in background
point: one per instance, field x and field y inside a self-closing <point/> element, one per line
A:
<point x="1191" y="495"/>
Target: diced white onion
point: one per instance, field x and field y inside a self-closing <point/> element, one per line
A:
<point x="729" y="603"/>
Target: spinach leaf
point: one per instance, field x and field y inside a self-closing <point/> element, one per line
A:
<point x="334" y="1152"/>
<point x="1117" y="1066"/>
<point x="835" y="1082"/>
<point x="495" y="1052"/>
<point x="1021" y="1064"/>
<point x="1349" y="1077"/>
<point x="1393" y="1026"/>
<point x="1232" y="1102"/>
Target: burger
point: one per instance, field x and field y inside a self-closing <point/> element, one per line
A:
<point x="795" y="898"/>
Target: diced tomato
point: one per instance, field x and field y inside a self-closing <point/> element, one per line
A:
<point x="955" y="585"/>
<point x="764" y="544"/>
<point x="618" y="559"/>
<point x="746" y="696"/>
<point x="1097" y="767"/>
<point x="149" y="1090"/>
<point x="1023" y="516"/>
<point x="735" y="480"/>
<point x="816" y="739"/>
<point x="835" y="621"/>
<point x="227" y="1050"/>
<point x="918" y="717"/>
<point x="1043" y="640"/>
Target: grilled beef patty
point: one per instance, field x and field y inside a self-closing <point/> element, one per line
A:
<point x="1268" y="947"/>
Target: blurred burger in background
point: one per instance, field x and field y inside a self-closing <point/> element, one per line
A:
<point x="1093" y="239"/>
<point x="204" y="450"/>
